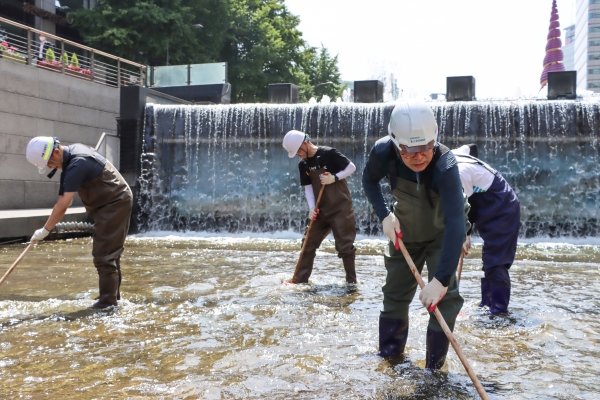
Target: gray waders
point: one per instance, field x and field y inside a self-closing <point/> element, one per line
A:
<point x="423" y="230"/>
<point x="108" y="200"/>
<point x="335" y="215"/>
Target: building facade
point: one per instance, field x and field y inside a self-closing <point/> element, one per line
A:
<point x="568" y="48"/>
<point x="587" y="45"/>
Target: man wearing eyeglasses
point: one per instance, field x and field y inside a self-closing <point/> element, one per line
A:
<point x="104" y="193"/>
<point x="429" y="211"/>
<point x="321" y="165"/>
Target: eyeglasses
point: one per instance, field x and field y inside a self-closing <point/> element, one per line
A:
<point x="412" y="151"/>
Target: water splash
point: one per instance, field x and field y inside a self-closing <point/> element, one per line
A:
<point x="222" y="168"/>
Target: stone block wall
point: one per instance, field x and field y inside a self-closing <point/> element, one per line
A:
<point x="36" y="102"/>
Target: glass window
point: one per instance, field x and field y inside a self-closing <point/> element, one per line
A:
<point x="594" y="15"/>
<point x="594" y="29"/>
<point x="208" y="74"/>
<point x="594" y="1"/>
<point x="594" y="71"/>
<point x="594" y="42"/>
<point x="593" y="57"/>
<point x="593" y="85"/>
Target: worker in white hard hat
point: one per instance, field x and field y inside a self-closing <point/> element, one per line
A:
<point x="429" y="212"/>
<point x="322" y="165"/>
<point x="105" y="195"/>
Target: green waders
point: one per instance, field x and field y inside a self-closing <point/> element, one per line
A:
<point x="335" y="215"/>
<point x="423" y="230"/>
<point x="108" y="200"/>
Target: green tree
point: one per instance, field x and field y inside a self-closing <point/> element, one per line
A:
<point x="263" y="45"/>
<point x="259" y="40"/>
<point x="142" y="31"/>
<point x="323" y="75"/>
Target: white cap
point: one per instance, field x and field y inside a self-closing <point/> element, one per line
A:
<point x="39" y="151"/>
<point x="292" y="142"/>
<point x="412" y="123"/>
<point x="466" y="150"/>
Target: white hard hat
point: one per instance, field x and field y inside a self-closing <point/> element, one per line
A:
<point x="39" y="151"/>
<point x="412" y="124"/>
<point x="465" y="150"/>
<point x="292" y="142"/>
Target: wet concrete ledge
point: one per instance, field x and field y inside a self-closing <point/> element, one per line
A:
<point x="18" y="225"/>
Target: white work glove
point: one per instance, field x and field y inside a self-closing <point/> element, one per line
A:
<point x="312" y="214"/>
<point x="327" y="178"/>
<point x="432" y="293"/>
<point x="467" y="245"/>
<point x="40" y="234"/>
<point x="391" y="227"/>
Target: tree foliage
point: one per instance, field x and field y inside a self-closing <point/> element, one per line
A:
<point x="259" y="39"/>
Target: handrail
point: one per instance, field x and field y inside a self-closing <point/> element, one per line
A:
<point x="30" y="29"/>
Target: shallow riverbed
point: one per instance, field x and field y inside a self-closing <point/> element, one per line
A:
<point x="209" y="317"/>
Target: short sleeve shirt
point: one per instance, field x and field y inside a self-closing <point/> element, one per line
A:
<point x="77" y="170"/>
<point x="326" y="157"/>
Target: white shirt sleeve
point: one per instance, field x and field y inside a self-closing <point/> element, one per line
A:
<point x="350" y="168"/>
<point x="310" y="196"/>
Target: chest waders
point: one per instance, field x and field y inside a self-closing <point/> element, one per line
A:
<point x="336" y="215"/>
<point x="108" y="200"/>
<point x="423" y="229"/>
<point x="497" y="214"/>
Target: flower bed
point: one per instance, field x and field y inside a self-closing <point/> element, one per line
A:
<point x="11" y="53"/>
<point x="69" y="70"/>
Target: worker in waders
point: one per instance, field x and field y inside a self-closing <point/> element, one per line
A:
<point x="105" y="195"/>
<point x="324" y="166"/>
<point x="495" y="212"/>
<point x="429" y="211"/>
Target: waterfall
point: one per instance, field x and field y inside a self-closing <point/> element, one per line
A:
<point x="222" y="168"/>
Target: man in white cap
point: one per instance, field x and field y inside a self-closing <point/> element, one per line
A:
<point x="496" y="212"/>
<point x="429" y="215"/>
<point x="324" y="166"/>
<point x="105" y="195"/>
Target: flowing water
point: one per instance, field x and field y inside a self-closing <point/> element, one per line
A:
<point x="209" y="317"/>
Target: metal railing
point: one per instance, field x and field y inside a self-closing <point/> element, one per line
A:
<point x="68" y="58"/>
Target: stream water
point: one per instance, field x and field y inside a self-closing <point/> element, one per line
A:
<point x="209" y="317"/>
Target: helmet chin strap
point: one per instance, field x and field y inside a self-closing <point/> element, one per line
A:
<point x="52" y="173"/>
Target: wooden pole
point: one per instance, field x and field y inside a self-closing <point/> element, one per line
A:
<point x="306" y="237"/>
<point x="460" y="266"/>
<point x="16" y="262"/>
<point x="445" y="327"/>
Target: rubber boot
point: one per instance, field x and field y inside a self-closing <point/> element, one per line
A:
<point x="437" y="349"/>
<point x="350" y="268"/>
<point x="485" y="293"/>
<point x="392" y="336"/>
<point x="108" y="282"/>
<point x="498" y="280"/>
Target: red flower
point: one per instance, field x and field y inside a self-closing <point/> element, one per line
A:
<point x="4" y="43"/>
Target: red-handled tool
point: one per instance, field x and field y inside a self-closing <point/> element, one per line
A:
<point x="398" y="236"/>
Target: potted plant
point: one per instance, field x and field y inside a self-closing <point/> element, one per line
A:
<point x="74" y="69"/>
<point x="50" y="62"/>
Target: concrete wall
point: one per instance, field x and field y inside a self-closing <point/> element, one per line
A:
<point x="35" y="102"/>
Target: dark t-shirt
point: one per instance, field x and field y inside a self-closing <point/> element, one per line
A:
<point x="326" y="157"/>
<point x="77" y="170"/>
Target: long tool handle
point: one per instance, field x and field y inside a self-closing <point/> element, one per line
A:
<point x="460" y="265"/>
<point x="445" y="327"/>
<point x="16" y="262"/>
<point x="307" y="233"/>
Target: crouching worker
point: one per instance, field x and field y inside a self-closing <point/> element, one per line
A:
<point x="496" y="212"/>
<point x="324" y="166"/>
<point x="105" y="195"/>
<point x="429" y="211"/>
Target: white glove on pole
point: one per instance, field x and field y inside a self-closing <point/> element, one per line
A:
<point x="40" y="234"/>
<point x="432" y="293"/>
<point x="327" y="178"/>
<point x="312" y="214"/>
<point x="390" y="226"/>
<point x="467" y="245"/>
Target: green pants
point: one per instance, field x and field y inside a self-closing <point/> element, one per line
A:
<point x="400" y="284"/>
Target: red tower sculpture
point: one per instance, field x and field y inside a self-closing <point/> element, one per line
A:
<point x="554" y="54"/>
